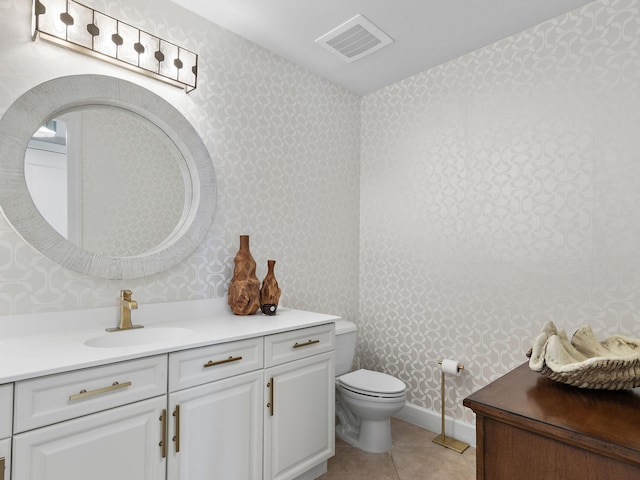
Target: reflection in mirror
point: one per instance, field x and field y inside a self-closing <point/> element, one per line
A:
<point x="47" y="170"/>
<point x="108" y="180"/>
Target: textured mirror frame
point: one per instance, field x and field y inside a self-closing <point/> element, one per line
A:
<point x="53" y="97"/>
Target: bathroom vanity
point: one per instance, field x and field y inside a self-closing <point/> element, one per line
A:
<point x="222" y="397"/>
<point x="530" y="427"/>
<point x="6" y="408"/>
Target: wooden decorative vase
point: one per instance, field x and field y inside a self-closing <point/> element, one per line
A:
<point x="244" y="289"/>
<point x="270" y="291"/>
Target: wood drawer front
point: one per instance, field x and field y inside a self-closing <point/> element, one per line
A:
<point x="288" y="346"/>
<point x="207" y="364"/>
<point x="46" y="400"/>
<point x="506" y="448"/>
<point x="6" y="409"/>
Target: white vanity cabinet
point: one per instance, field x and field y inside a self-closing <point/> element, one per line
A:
<point x="6" y="415"/>
<point x="216" y="419"/>
<point x="299" y="399"/>
<point x="253" y="400"/>
<point x="100" y="423"/>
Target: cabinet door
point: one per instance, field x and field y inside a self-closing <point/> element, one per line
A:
<point x="216" y="430"/>
<point x="299" y="416"/>
<point x="122" y="443"/>
<point x="5" y="458"/>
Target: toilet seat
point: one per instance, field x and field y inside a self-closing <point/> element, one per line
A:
<point x="373" y="384"/>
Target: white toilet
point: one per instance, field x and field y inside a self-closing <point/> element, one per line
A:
<point x="365" y="400"/>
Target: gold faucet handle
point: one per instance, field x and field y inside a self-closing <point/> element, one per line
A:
<point x="126" y="295"/>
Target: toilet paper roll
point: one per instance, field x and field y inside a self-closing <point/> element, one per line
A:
<point x="450" y="366"/>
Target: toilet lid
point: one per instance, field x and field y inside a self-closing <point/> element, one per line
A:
<point x="374" y="382"/>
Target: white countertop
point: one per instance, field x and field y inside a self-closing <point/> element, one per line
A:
<point x="42" y="344"/>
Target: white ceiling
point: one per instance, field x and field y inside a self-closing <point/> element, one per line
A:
<point x="425" y="33"/>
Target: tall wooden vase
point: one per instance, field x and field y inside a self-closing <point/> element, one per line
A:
<point x="270" y="291"/>
<point x="244" y="290"/>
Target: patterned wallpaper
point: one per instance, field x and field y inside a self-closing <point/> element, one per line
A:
<point x="500" y="191"/>
<point x="450" y="214"/>
<point x="135" y="165"/>
<point x="285" y="146"/>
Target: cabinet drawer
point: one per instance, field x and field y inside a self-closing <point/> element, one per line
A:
<point x="6" y="409"/>
<point x="293" y="345"/>
<point x="207" y="364"/>
<point x="45" y="400"/>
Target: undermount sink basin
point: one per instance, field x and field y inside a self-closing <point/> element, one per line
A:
<point x="137" y="336"/>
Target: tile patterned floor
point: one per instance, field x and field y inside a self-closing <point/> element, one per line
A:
<point x="413" y="456"/>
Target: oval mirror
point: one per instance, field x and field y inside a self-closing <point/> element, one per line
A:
<point x="104" y="177"/>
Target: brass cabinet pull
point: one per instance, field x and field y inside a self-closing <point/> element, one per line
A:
<point x="163" y="442"/>
<point x="176" y="420"/>
<point x="305" y="344"/>
<point x="211" y="363"/>
<point x="91" y="393"/>
<point x="2" y="468"/>
<point x="270" y="386"/>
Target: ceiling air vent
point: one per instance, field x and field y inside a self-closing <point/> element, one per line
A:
<point x="354" y="39"/>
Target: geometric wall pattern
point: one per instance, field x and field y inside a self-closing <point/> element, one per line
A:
<point x="133" y="182"/>
<point x="500" y="191"/>
<point x="450" y="214"/>
<point x="284" y="144"/>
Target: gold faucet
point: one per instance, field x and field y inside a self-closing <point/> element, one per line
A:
<point x="126" y="305"/>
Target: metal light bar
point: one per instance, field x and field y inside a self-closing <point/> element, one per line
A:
<point x="72" y="25"/>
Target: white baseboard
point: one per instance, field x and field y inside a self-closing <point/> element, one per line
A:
<point x="430" y="420"/>
<point x="314" y="473"/>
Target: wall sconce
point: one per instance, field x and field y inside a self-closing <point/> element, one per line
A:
<point x="72" y="25"/>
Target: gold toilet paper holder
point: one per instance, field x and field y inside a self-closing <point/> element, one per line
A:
<point x="442" y="439"/>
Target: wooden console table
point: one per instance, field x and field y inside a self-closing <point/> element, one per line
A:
<point x="529" y="427"/>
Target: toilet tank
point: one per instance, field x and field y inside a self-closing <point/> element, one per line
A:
<point x="346" y="332"/>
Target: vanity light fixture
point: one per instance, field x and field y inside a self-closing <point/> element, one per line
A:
<point x="72" y="25"/>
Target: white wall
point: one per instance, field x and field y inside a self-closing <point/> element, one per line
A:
<point x="499" y="191"/>
<point x="45" y="171"/>
<point x="284" y="144"/>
